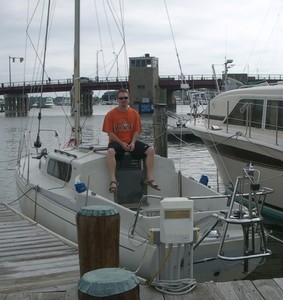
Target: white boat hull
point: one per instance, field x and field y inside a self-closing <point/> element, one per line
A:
<point x="55" y="207"/>
<point x="232" y="154"/>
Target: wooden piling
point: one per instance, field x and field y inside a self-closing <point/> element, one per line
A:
<point x="98" y="229"/>
<point x="160" y="129"/>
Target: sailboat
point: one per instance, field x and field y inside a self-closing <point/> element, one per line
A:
<point x="213" y="237"/>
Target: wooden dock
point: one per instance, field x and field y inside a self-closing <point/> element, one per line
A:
<point x="32" y="260"/>
<point x="35" y="264"/>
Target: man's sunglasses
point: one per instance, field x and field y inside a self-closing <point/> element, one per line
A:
<point x="123" y="98"/>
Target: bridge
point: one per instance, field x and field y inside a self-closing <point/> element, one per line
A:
<point x="171" y="83"/>
<point x="17" y="93"/>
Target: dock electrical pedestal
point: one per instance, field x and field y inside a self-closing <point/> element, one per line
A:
<point x="176" y="238"/>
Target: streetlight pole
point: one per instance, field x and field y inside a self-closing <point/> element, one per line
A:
<point x="13" y="58"/>
<point x="97" y="64"/>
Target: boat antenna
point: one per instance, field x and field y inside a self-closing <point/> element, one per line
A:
<point x="37" y="143"/>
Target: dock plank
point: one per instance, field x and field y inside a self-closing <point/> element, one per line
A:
<point x="241" y="290"/>
<point x="150" y="293"/>
<point x="279" y="282"/>
<point x="268" y="287"/>
<point x="201" y="291"/>
<point x="35" y="296"/>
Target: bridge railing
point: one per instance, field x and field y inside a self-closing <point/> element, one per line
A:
<point x="35" y="83"/>
<point x="62" y="81"/>
<point x="273" y="77"/>
<point x="220" y="76"/>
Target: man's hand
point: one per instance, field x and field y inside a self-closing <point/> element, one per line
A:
<point x="131" y="147"/>
<point x="126" y="147"/>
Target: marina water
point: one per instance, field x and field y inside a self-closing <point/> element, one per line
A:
<point x="190" y="157"/>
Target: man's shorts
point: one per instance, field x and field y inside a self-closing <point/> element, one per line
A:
<point x="137" y="153"/>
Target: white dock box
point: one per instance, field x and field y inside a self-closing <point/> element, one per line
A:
<point x="176" y="220"/>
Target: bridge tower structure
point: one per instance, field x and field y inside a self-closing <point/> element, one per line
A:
<point x="144" y="82"/>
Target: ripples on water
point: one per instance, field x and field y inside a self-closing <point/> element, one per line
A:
<point x="191" y="158"/>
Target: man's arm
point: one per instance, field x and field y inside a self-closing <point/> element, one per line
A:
<point x="133" y="141"/>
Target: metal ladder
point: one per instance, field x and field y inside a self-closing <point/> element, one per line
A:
<point x="248" y="217"/>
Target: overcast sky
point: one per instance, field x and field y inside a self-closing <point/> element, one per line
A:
<point x="205" y="32"/>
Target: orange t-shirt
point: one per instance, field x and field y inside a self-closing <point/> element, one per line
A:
<point x="122" y="124"/>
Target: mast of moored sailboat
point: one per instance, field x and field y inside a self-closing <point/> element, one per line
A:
<point x="76" y="92"/>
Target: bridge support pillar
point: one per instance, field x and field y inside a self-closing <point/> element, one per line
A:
<point x="86" y="108"/>
<point x="16" y="105"/>
<point x="86" y="103"/>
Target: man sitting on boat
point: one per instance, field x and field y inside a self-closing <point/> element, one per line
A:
<point x="123" y="126"/>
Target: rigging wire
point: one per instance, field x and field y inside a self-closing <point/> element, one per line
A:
<point x="124" y="36"/>
<point x="257" y="37"/>
<point x="37" y="143"/>
<point x="175" y="45"/>
<point x="117" y="15"/>
<point x="269" y="37"/>
<point x="183" y="81"/>
<point x="24" y="75"/>
<point x="119" y="21"/>
<point x="262" y="27"/>
<point x="36" y="47"/>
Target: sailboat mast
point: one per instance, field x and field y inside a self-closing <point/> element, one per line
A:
<point x="77" y="94"/>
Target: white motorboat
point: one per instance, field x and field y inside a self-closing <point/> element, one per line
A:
<point x="45" y="103"/>
<point x="48" y="103"/>
<point x="242" y="126"/>
<point x="53" y="185"/>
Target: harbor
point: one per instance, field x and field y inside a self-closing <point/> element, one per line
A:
<point x="37" y="264"/>
<point x="176" y="227"/>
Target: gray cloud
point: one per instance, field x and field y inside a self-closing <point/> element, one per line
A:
<point x="205" y="33"/>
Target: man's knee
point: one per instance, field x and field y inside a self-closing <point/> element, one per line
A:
<point x="150" y="151"/>
<point x="111" y="152"/>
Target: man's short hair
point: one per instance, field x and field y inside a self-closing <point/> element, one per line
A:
<point x="121" y="91"/>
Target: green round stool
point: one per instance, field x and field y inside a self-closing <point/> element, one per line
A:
<point x="109" y="283"/>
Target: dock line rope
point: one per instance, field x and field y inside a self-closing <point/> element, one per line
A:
<point x="15" y="200"/>
<point x="275" y="238"/>
<point x="175" y="287"/>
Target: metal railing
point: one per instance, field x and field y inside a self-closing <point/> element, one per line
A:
<point x="273" y="77"/>
<point x="248" y="121"/>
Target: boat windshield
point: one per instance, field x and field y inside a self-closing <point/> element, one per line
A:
<point x="253" y="112"/>
<point x="59" y="169"/>
<point x="239" y="116"/>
